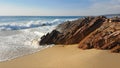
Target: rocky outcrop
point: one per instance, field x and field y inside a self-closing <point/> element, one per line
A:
<point x="107" y="37"/>
<point x="90" y="32"/>
<point x="72" y="32"/>
<point x="50" y="38"/>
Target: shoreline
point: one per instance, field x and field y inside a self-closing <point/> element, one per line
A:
<point x="69" y="56"/>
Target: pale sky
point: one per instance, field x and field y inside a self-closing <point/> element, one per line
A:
<point x="58" y="7"/>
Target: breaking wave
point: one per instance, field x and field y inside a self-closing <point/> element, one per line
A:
<point x="20" y="37"/>
<point x="30" y="24"/>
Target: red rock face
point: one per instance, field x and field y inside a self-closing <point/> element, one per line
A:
<point x="90" y="32"/>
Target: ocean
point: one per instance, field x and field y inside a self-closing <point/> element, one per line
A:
<point x="20" y="35"/>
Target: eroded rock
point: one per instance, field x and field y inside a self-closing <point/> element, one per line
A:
<point x="72" y="32"/>
<point x="90" y="32"/>
<point x="106" y="37"/>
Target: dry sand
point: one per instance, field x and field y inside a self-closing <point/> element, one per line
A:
<point x="66" y="57"/>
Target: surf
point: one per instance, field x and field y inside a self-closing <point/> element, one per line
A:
<point x="20" y="36"/>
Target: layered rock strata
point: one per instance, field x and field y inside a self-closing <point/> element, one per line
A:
<point x="90" y="32"/>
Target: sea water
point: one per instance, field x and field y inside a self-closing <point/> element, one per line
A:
<point x="20" y="35"/>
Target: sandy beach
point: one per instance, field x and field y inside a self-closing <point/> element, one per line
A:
<point x="66" y="57"/>
<point x="59" y="33"/>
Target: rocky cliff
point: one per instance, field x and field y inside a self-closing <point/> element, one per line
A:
<point x="90" y="32"/>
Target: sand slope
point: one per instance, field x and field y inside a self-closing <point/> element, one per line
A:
<point x="66" y="57"/>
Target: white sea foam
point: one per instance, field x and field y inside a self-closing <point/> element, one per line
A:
<point x="30" y="24"/>
<point x="21" y="42"/>
<point x="16" y="40"/>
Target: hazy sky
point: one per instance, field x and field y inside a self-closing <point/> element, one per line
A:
<point x="59" y="7"/>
